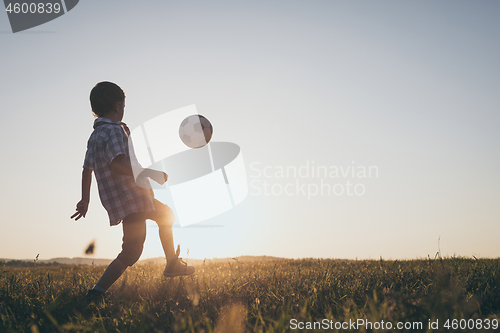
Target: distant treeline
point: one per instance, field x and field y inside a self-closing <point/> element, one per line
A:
<point x="99" y="261"/>
<point x="24" y="263"/>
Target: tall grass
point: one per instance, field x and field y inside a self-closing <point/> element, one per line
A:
<point x="249" y="296"/>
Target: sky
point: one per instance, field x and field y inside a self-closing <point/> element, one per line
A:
<point x="408" y="90"/>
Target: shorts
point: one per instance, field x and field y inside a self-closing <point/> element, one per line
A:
<point x="134" y="230"/>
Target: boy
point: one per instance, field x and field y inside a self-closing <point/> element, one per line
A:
<point x="108" y="156"/>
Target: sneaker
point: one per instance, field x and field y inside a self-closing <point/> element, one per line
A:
<point x="177" y="267"/>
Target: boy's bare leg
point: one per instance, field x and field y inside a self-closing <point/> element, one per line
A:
<point x="164" y="217"/>
<point x="111" y="274"/>
<point x="167" y="240"/>
<point x="134" y="234"/>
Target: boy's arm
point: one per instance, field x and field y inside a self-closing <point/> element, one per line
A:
<point x="83" y="205"/>
<point x="120" y="166"/>
<point x="86" y="182"/>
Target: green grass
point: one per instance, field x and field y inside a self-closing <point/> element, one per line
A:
<point x="250" y="296"/>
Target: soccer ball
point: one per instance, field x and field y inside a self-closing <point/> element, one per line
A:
<point x="195" y="131"/>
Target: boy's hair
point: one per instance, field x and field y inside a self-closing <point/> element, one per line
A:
<point x="104" y="97"/>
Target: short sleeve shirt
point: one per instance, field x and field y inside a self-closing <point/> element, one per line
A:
<point x="119" y="194"/>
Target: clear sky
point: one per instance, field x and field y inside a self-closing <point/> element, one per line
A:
<point x="410" y="88"/>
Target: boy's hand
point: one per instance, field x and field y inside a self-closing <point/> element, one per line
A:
<point x="81" y="210"/>
<point x="159" y="177"/>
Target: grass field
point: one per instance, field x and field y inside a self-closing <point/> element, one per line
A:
<point x="253" y="296"/>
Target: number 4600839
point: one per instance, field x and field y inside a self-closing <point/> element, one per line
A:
<point x="33" y="8"/>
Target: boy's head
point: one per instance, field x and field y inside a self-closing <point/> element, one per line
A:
<point x="106" y="98"/>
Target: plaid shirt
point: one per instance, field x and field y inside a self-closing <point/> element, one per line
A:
<point x="119" y="194"/>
